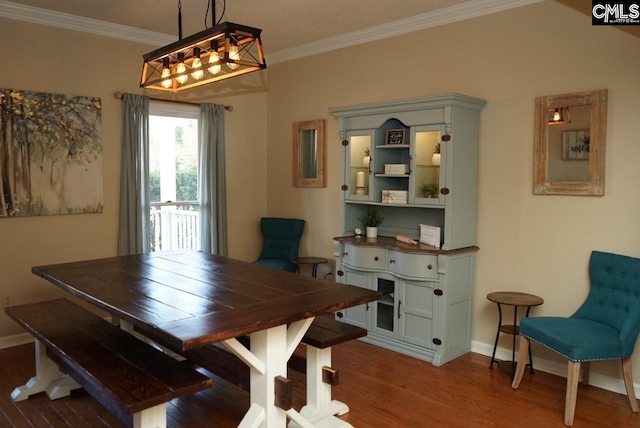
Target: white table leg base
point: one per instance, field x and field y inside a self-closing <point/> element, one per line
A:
<point x="153" y="417"/>
<point x="320" y="408"/>
<point x="253" y="418"/>
<point x="61" y="387"/>
<point x="48" y="378"/>
<point x="339" y="408"/>
<point x="326" y="422"/>
<point x="298" y="420"/>
<point x="267" y="359"/>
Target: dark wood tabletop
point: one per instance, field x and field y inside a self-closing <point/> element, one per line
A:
<point x="190" y="299"/>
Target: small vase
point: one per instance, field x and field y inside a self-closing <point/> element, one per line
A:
<point x="435" y="159"/>
<point x="366" y="161"/>
<point x="372" y="232"/>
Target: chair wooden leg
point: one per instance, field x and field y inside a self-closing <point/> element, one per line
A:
<point x="572" y="392"/>
<point x="628" y="383"/>
<point x="523" y="352"/>
<point x="586" y="371"/>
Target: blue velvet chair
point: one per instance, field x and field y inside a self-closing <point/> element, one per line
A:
<point x="605" y="327"/>
<point x="281" y="242"/>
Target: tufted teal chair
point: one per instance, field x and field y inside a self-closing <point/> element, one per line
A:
<point x="281" y="242"/>
<point x="605" y="327"/>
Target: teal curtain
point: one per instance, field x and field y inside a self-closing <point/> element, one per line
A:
<point x="134" y="225"/>
<point x="212" y="183"/>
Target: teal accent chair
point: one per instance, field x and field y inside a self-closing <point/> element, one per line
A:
<point x="281" y="242"/>
<point x="605" y="327"/>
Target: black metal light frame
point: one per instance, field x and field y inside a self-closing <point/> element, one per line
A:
<point x="220" y="39"/>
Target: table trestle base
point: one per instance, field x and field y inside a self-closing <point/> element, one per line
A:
<point x="320" y="408"/>
<point x="152" y="417"/>
<point x="48" y="379"/>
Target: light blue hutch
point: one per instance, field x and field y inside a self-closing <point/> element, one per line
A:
<point x="389" y="163"/>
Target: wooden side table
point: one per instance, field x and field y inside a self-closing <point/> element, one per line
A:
<point x="315" y="261"/>
<point x="515" y="299"/>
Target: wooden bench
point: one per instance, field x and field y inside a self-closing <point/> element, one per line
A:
<point x="321" y="336"/>
<point x="130" y="378"/>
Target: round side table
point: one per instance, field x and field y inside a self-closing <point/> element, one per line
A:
<point x="315" y="261"/>
<point x="515" y="299"/>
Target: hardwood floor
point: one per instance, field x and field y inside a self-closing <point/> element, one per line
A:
<point x="383" y="389"/>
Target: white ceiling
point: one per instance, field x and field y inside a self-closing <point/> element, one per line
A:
<point x="285" y="24"/>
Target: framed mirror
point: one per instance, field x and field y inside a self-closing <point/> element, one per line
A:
<point x="570" y="133"/>
<point x="309" y="154"/>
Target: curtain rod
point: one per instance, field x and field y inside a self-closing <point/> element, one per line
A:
<point x="118" y="95"/>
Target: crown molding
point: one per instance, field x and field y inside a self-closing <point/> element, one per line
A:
<point x="67" y="21"/>
<point x="448" y="15"/>
<point x="461" y="12"/>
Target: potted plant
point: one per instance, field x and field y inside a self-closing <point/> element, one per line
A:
<point x="435" y="158"/>
<point x="367" y="157"/>
<point x="371" y="221"/>
<point x="429" y="190"/>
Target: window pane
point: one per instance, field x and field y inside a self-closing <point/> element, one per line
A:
<point x="173" y="159"/>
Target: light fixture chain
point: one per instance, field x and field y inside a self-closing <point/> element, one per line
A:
<point x="179" y="20"/>
<point x="211" y="5"/>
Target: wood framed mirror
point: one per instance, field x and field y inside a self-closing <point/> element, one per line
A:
<point x="570" y="133"/>
<point x="309" y="154"/>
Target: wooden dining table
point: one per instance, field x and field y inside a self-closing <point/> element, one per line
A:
<point x="186" y="299"/>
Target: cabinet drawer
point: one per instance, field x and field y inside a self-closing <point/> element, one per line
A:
<point x="413" y="265"/>
<point x="363" y="257"/>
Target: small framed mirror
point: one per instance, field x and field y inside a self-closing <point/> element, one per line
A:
<point x="309" y="154"/>
<point x="570" y="133"/>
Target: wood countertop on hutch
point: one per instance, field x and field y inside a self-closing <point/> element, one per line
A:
<point x="393" y="244"/>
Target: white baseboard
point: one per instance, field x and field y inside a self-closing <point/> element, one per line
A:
<point x="17" y="340"/>
<point x="600" y="381"/>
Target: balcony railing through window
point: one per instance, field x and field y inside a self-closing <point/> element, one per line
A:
<point x="175" y="225"/>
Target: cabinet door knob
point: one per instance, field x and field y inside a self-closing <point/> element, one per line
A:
<point x="345" y="254"/>
<point x="399" y="308"/>
<point x="429" y="267"/>
<point x="391" y="261"/>
<point x="375" y="258"/>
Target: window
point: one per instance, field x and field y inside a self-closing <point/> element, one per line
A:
<point x="173" y="176"/>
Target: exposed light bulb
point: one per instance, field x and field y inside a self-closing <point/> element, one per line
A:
<point x="214" y="63"/>
<point x="166" y="72"/>
<point x="233" y="54"/>
<point x="195" y="64"/>
<point x="181" y="68"/>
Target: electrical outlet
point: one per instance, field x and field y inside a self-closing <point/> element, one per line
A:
<point x="7" y="300"/>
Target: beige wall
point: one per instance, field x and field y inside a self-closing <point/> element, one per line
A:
<point x="43" y="59"/>
<point x="536" y="244"/>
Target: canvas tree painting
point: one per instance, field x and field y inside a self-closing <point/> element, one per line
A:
<point x="50" y="154"/>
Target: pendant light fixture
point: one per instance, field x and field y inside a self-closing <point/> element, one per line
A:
<point x="223" y="51"/>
